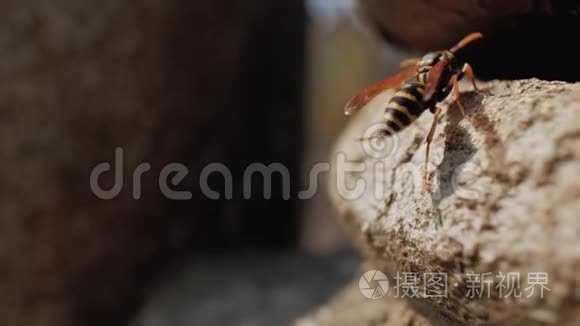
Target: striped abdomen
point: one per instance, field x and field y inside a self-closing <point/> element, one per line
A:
<point x="404" y="107"/>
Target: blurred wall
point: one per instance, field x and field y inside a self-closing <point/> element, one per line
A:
<point x="167" y="81"/>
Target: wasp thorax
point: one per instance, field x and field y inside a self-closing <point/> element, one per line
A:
<point x="430" y="59"/>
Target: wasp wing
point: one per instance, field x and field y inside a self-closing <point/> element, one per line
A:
<point x="358" y="101"/>
<point x="410" y="62"/>
<point x="433" y="78"/>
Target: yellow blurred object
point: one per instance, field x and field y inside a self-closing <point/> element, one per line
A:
<point x="340" y="61"/>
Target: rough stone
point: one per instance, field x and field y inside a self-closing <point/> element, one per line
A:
<point x="504" y="200"/>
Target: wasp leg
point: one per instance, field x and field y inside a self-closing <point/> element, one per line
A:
<point x="468" y="70"/>
<point x="454" y="84"/>
<point x="426" y="174"/>
<point x="410" y="62"/>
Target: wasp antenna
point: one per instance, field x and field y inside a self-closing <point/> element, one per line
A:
<point x="466" y="40"/>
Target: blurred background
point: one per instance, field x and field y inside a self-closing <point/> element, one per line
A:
<point x="200" y="82"/>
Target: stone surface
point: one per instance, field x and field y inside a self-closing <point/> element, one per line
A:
<point x="505" y="199"/>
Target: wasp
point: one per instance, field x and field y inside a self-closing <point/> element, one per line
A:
<point x="424" y="83"/>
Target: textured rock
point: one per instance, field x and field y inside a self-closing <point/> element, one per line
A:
<point x="505" y="199"/>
